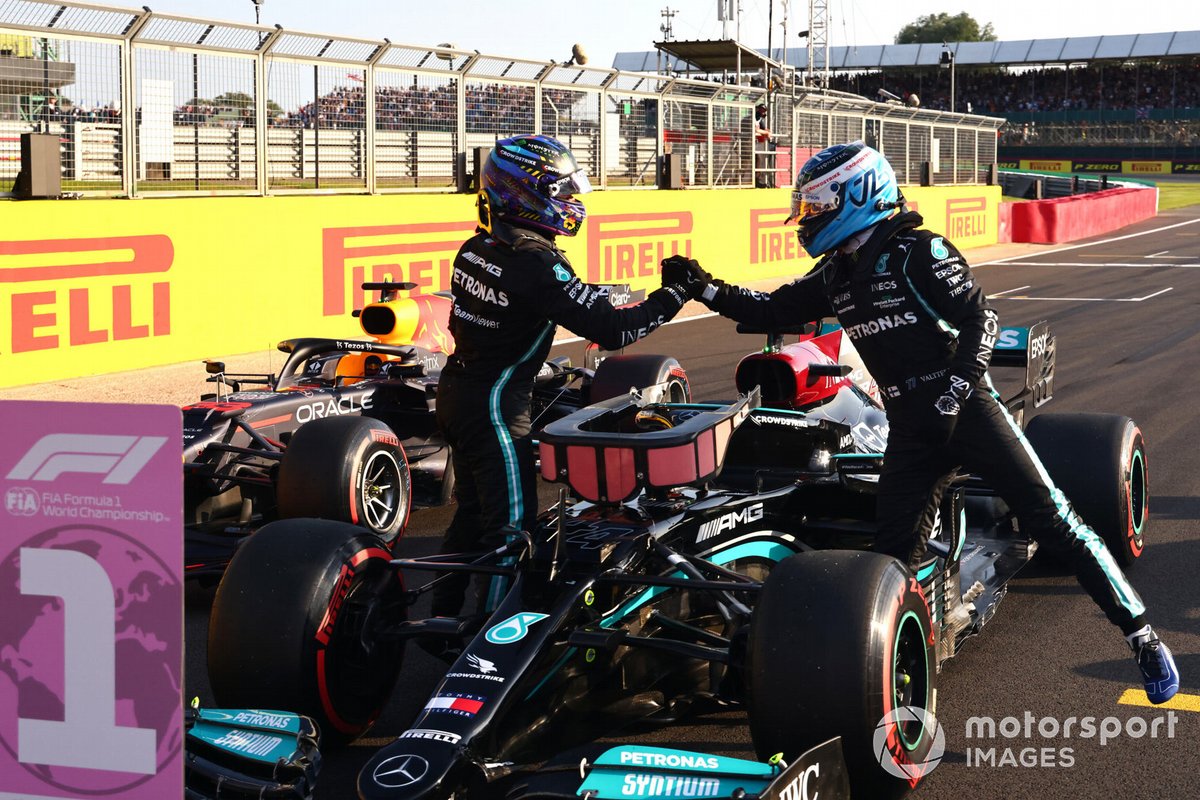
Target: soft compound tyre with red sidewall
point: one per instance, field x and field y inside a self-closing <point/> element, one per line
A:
<point x="1099" y="463"/>
<point x="351" y="469"/>
<point x="287" y="623"/>
<point x="841" y="644"/>
<point x="661" y="379"/>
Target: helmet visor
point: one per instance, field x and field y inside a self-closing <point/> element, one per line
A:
<point x="569" y="185"/>
<point x="806" y="208"/>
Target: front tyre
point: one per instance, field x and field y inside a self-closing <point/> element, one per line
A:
<point x="1099" y="463"/>
<point x="291" y="626"/>
<point x="841" y="644"/>
<point x="350" y="469"/>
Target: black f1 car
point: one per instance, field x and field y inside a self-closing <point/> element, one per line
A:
<point x="347" y="429"/>
<point x="697" y="551"/>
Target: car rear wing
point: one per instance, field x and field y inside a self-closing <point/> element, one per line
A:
<point x="1032" y="348"/>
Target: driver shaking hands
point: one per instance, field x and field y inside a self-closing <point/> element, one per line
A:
<point x="512" y="287"/>
<point x="922" y="324"/>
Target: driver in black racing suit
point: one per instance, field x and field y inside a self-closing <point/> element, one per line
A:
<point x="512" y="287"/>
<point x="925" y="331"/>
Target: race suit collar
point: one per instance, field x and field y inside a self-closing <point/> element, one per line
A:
<point x="865" y="256"/>
<point x="521" y="238"/>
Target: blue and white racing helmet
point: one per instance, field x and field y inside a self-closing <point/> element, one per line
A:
<point x="840" y="191"/>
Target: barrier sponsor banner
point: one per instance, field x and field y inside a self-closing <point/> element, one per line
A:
<point x="91" y="562"/>
<point x="1008" y="164"/>
<point x="1185" y="167"/>
<point x="1096" y="166"/>
<point x="1146" y="167"/>
<point x="105" y="287"/>
<point x="1045" y="165"/>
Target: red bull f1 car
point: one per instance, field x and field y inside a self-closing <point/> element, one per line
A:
<point x="346" y="430"/>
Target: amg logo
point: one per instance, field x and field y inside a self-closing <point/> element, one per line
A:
<point x="118" y="458"/>
<point x="727" y="522"/>
<point x="482" y="262"/>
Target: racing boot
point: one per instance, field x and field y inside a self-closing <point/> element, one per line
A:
<point x="1157" y="664"/>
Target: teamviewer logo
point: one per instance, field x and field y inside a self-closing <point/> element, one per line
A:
<point x="118" y="458"/>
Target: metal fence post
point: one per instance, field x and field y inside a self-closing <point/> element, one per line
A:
<point x="262" y="131"/>
<point x="128" y="106"/>
<point x="708" y="110"/>
<point x="369" y="112"/>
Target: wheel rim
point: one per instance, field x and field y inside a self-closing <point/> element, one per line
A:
<point x="910" y="671"/>
<point x="382" y="495"/>
<point x="1137" y="496"/>
<point x="676" y="392"/>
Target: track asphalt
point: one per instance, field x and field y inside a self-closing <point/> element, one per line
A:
<point x="1125" y="310"/>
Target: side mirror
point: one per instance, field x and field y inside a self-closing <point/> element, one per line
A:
<point x="214" y="367"/>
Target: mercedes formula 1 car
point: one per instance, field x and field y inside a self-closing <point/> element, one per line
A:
<point x="697" y="551"/>
<point x="346" y="430"/>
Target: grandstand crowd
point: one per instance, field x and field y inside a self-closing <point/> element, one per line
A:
<point x="1158" y="103"/>
<point x="1137" y="87"/>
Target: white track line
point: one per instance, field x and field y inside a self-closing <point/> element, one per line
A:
<point x="1089" y="244"/>
<point x="1006" y="291"/>
<point x="575" y="339"/>
<point x="1091" y="299"/>
<point x="1091" y="264"/>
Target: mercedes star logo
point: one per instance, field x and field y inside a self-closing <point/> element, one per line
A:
<point x="397" y="771"/>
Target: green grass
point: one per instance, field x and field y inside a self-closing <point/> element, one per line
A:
<point x="1177" y="195"/>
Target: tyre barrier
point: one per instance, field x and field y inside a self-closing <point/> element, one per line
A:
<point x="1068" y="219"/>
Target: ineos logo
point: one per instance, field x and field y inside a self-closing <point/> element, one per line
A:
<point x="399" y="771"/>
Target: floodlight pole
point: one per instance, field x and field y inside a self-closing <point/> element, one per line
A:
<point x="947" y="60"/>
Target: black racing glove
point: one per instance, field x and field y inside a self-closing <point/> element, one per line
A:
<point x="948" y="406"/>
<point x="687" y="273"/>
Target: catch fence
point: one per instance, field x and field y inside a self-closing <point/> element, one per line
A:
<point x="149" y="104"/>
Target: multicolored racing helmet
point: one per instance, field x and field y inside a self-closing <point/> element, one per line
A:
<point x="531" y="182"/>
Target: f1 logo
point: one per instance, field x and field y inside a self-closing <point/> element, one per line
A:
<point x="118" y="458"/>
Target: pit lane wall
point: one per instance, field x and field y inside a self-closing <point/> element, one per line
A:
<point x="99" y="286"/>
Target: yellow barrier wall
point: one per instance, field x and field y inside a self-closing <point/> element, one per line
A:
<point x="101" y="286"/>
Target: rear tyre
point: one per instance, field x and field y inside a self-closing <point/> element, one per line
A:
<point x="288" y="622"/>
<point x="661" y="379"/>
<point x="842" y="644"/>
<point x="349" y="469"/>
<point x="1099" y="463"/>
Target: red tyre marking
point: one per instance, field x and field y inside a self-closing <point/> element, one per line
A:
<point x="385" y="437"/>
<point x="335" y="603"/>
